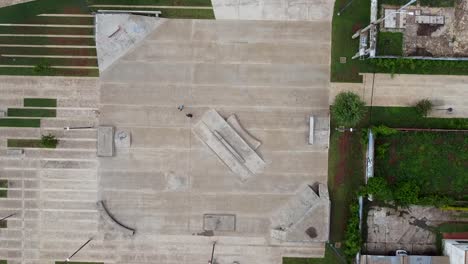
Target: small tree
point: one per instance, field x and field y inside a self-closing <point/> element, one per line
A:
<point x="43" y="67"/>
<point x="49" y="141"/>
<point x="379" y="188"/>
<point x="348" y="109"/>
<point x="423" y="107"/>
<point x="407" y="193"/>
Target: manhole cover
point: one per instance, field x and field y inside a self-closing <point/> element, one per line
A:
<point x="343" y="60"/>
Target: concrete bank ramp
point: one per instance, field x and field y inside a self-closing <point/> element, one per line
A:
<point x="116" y="34"/>
<point x="304" y="218"/>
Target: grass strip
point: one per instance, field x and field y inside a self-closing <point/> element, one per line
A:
<point x="20" y="122"/>
<point x="47" y="41"/>
<point x="46" y="30"/>
<point x="24" y="143"/>
<point x="408" y="117"/>
<point x="32" y="112"/>
<point x="60" y="20"/>
<point x="3" y="224"/>
<point x="153" y="2"/>
<point x="329" y="258"/>
<point x="40" y="102"/>
<point x="21" y="12"/>
<point x="3" y="190"/>
<point x="55" y="72"/>
<point x="51" y="61"/>
<point x="390" y="44"/>
<point x="49" y="51"/>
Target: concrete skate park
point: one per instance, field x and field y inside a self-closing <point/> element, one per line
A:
<point x="246" y="169"/>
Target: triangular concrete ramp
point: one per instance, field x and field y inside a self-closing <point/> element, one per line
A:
<point x="116" y="34"/>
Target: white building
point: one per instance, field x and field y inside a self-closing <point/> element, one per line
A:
<point x="457" y="250"/>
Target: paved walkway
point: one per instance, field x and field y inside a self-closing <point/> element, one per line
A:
<point x="300" y="10"/>
<point x="4" y="3"/>
<point x="153" y="6"/>
<point x="406" y="89"/>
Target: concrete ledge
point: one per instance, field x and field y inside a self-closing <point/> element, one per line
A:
<point x="110" y="218"/>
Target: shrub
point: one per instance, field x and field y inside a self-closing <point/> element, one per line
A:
<point x="43" y="67"/>
<point x="423" y="107"/>
<point x="49" y="141"/>
<point x="379" y="188"/>
<point x="407" y="193"/>
<point x="383" y="130"/>
<point x="353" y="239"/>
<point x="348" y="109"/>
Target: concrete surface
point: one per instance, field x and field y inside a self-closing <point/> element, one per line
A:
<point x="304" y="10"/>
<point x="116" y="34"/>
<point x="406" y="89"/>
<point x="272" y="76"/>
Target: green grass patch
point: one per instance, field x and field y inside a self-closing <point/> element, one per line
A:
<point x="3" y="224"/>
<point x="437" y="162"/>
<point x="32" y="112"/>
<point x="20" y="122"/>
<point x="49" y="61"/>
<point x="40" y="102"/>
<point x="390" y="43"/>
<point x="49" y="51"/>
<point x="329" y="258"/>
<point x="24" y="143"/>
<point x="47" y="41"/>
<point x="4" y="187"/>
<point x="453" y="227"/>
<point x="46" y="30"/>
<point x="152" y="2"/>
<point x="345" y="175"/>
<point x="3" y="262"/>
<point x="407" y="117"/>
<point x="55" y="72"/>
<point x="355" y="16"/>
<point x="188" y="13"/>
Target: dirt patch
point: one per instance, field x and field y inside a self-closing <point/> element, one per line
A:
<point x="427" y="30"/>
<point x="342" y="167"/>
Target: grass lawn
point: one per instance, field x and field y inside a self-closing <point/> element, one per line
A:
<point x="40" y="102"/>
<point x="32" y="112"/>
<point x="19" y="122"/>
<point x="390" y="43"/>
<point x="354" y="17"/>
<point x="407" y="117"/>
<point x="453" y="227"/>
<point x="3" y="188"/>
<point x="47" y="41"/>
<point x="437" y="161"/>
<point x="3" y="262"/>
<point x="329" y="258"/>
<point x="24" y="143"/>
<point x="3" y="224"/>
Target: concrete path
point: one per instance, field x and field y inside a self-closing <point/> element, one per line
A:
<point x="4" y="3"/>
<point x="66" y="15"/>
<point x="406" y="89"/>
<point x="305" y="10"/>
